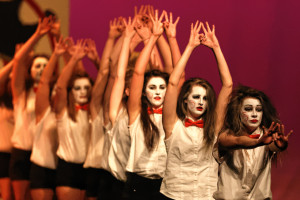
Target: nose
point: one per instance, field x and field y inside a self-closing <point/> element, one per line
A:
<point x="157" y="91"/>
<point x="254" y="113"/>
<point x="200" y="101"/>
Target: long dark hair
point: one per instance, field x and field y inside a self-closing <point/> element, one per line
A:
<point x="233" y="123"/>
<point x="208" y="116"/>
<point x="151" y="132"/>
<point x="233" y="119"/>
<point x="71" y="99"/>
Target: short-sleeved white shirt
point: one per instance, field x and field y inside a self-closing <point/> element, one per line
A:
<point x="142" y="162"/>
<point x="45" y="141"/>
<point x="120" y="146"/>
<point x="7" y="124"/>
<point x="94" y="156"/>
<point x="73" y="137"/>
<point x="24" y="113"/>
<point x="192" y="171"/>
<point x="253" y="180"/>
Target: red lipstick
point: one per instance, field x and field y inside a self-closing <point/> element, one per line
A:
<point x="200" y="108"/>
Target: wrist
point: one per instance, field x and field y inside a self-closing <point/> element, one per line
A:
<point x="281" y="148"/>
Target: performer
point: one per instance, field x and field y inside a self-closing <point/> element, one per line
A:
<point x="147" y="158"/>
<point x="24" y="108"/>
<point x="245" y="147"/>
<point x="94" y="160"/>
<point x="71" y="110"/>
<point x="117" y="129"/>
<point x="191" y="171"/>
<point x="43" y="156"/>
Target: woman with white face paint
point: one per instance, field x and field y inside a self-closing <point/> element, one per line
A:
<point x="191" y="129"/>
<point x="245" y="147"/>
<point x="71" y="110"/>
<point x="96" y="160"/>
<point x="24" y="109"/>
<point x="43" y="156"/>
<point x="147" y="156"/>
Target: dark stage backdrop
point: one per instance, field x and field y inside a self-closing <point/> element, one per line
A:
<point x="260" y="41"/>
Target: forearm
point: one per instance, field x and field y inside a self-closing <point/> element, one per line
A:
<point x="238" y="142"/>
<point x="180" y="66"/>
<point x="114" y="56"/>
<point x="223" y="67"/>
<point x="66" y="73"/>
<point x="104" y="63"/>
<point x="175" y="51"/>
<point x="143" y="59"/>
<point x="166" y="54"/>
<point x="27" y="47"/>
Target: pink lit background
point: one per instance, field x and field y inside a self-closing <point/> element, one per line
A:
<point x="260" y="41"/>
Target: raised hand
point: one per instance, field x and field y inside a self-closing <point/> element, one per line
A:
<point x="282" y="139"/>
<point x="70" y="45"/>
<point x="267" y="137"/>
<point x="142" y="13"/>
<point x="129" y="27"/>
<point x="79" y="49"/>
<point x="157" y="28"/>
<point x="210" y="40"/>
<point x="55" y="28"/>
<point x="44" y="25"/>
<point x="60" y="46"/>
<point x="170" y="27"/>
<point x="91" y="51"/>
<point x="142" y="29"/>
<point x="115" y="28"/>
<point x="195" y="35"/>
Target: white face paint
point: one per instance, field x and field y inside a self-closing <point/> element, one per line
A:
<point x="156" y="90"/>
<point x="196" y="102"/>
<point x="37" y="67"/>
<point x="251" y="113"/>
<point x="81" y="90"/>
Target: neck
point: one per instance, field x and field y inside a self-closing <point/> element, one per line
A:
<point x="253" y="130"/>
<point x="194" y="118"/>
<point x="156" y="107"/>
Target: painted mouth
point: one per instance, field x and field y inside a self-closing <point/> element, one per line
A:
<point x="200" y="108"/>
<point x="157" y="98"/>
<point x="254" y="120"/>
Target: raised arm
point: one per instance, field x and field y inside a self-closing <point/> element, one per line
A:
<point x="60" y="100"/>
<point x="19" y="69"/>
<point x="119" y="82"/>
<point x="170" y="29"/>
<point x="92" y="53"/>
<point x="42" y="95"/>
<point x="143" y="28"/>
<point x="136" y="87"/>
<point x="169" y="109"/>
<point x="210" y="40"/>
<point x="100" y="85"/>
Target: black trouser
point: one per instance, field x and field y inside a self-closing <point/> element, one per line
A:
<point x="138" y="187"/>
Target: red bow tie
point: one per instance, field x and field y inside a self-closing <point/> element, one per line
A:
<point x="188" y="122"/>
<point x="82" y="107"/>
<point x="255" y="136"/>
<point x="35" y="89"/>
<point x="152" y="111"/>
